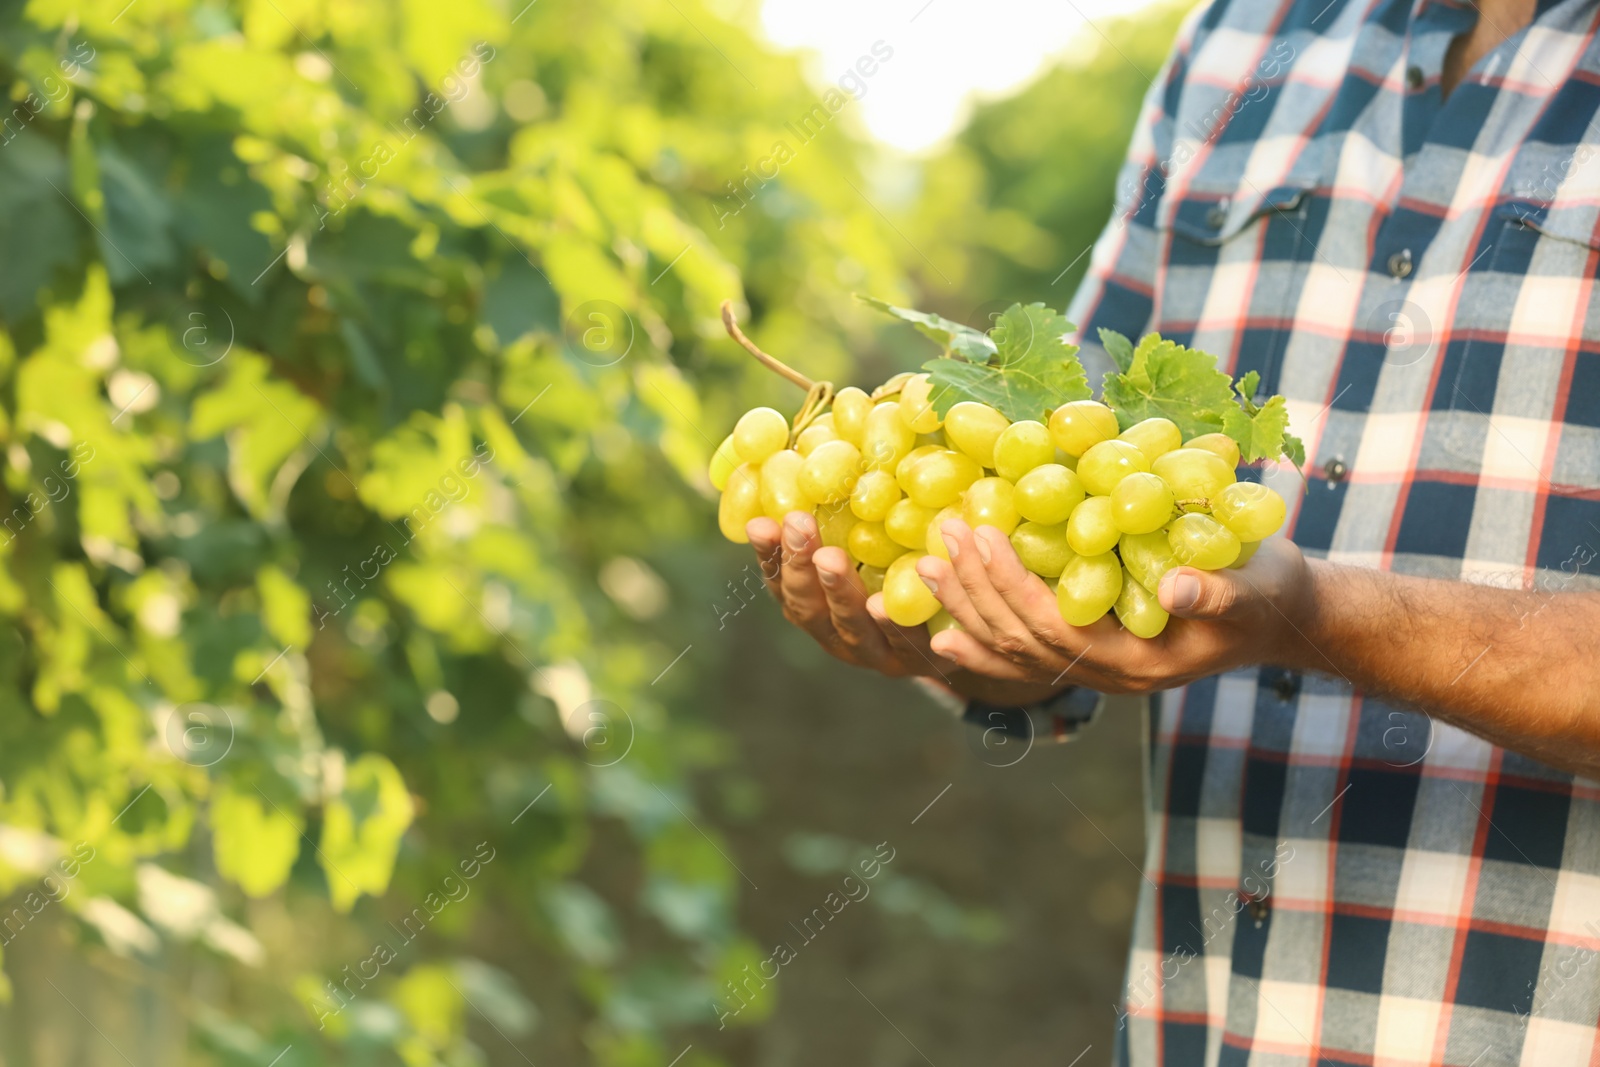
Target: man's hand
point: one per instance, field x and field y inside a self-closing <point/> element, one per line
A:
<point x="1221" y="620"/>
<point x="821" y="593"/>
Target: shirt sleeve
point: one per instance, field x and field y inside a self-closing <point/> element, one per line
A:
<point x="1118" y="291"/>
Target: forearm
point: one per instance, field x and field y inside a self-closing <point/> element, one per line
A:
<point x="1517" y="668"/>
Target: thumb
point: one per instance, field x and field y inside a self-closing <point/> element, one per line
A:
<point x="1195" y="594"/>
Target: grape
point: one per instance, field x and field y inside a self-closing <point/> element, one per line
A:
<point x="741" y="502"/>
<point x="1147" y="557"/>
<point x="780" y="485"/>
<point x="871" y="578"/>
<point x="1107" y="463"/>
<point x="829" y="473"/>
<point x="870" y="543"/>
<point x="907" y="600"/>
<point x="973" y="428"/>
<point x="834" y="523"/>
<point x="938" y="480"/>
<point x="1138" y="609"/>
<point x="1250" y="510"/>
<point x="850" y="408"/>
<point x="1154" y="437"/>
<point x="1021" y="447"/>
<point x="819" y="431"/>
<point x="1047" y="494"/>
<point x="907" y="523"/>
<point x="918" y="453"/>
<point x="989" y="502"/>
<point x="875" y="493"/>
<point x="1088" y="588"/>
<point x="1203" y="542"/>
<point x="1079" y="425"/>
<point x="942" y="620"/>
<point x="1220" y="443"/>
<point x="885" y="440"/>
<point x="1246" y="550"/>
<point x="723" y="460"/>
<point x="1090" y="529"/>
<point x="759" y="433"/>
<point x="916" y="407"/>
<point x="1193" y="473"/>
<point x="1141" y="503"/>
<point x="935" y="543"/>
<point x="1043" y="549"/>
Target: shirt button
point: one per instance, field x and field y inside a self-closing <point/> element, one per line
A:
<point x="1217" y="215"/>
<point x="1400" y="263"/>
<point x="1415" y="77"/>
<point x="1334" y="470"/>
<point x="1259" y="908"/>
<point x="1287" y="686"/>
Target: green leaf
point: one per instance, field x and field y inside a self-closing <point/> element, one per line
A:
<point x="361" y="830"/>
<point x="1118" y="347"/>
<point x="1033" y="369"/>
<point x="1260" y="434"/>
<point x="36" y="215"/>
<point x="255" y="840"/>
<point x="1166" y="379"/>
<point x="962" y="340"/>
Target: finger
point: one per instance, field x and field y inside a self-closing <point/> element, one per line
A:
<point x="941" y="578"/>
<point x="847" y="610"/>
<point x="909" y="643"/>
<point x="1006" y="633"/>
<point x="1024" y="592"/>
<point x="1189" y="593"/>
<point x="803" y="601"/>
<point x="764" y="537"/>
<point x="968" y="653"/>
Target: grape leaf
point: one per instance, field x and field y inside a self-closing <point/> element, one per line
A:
<point x="1246" y="387"/>
<point x="1261" y="432"/>
<point x="1118" y="347"/>
<point x="1033" y="369"/>
<point x="962" y="340"/>
<point x="1163" y="378"/>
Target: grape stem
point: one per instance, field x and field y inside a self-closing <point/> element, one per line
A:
<point x="1198" y="503"/>
<point x="772" y="363"/>
<point x="819" y="395"/>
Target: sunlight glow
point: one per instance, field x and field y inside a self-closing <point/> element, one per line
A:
<point x="944" y="52"/>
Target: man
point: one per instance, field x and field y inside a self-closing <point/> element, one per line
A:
<point x="1391" y="210"/>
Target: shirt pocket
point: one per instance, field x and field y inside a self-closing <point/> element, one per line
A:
<point x="1519" y="389"/>
<point x="1527" y="300"/>
<point x="1210" y="218"/>
<point x="1230" y="253"/>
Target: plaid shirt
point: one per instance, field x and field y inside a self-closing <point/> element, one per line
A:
<point x="1330" y="879"/>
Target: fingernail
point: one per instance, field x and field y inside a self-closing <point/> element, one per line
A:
<point x="933" y="587"/>
<point x="951" y="545"/>
<point x="794" y="539"/>
<point x="1185" y="591"/>
<point x="983" y="547"/>
<point x="951" y="656"/>
<point x="827" y="578"/>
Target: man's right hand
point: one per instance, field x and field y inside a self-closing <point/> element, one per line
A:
<point x="821" y="593"/>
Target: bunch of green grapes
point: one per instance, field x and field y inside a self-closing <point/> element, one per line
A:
<point x="1099" y="512"/>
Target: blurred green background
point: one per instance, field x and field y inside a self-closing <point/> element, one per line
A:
<point x="375" y="686"/>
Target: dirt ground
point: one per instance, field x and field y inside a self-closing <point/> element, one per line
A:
<point x="1046" y="845"/>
